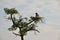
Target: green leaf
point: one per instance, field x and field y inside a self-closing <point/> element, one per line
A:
<point x="10" y="11"/>
<point x="13" y="27"/>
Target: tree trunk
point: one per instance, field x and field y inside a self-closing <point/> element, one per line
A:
<point x="22" y="37"/>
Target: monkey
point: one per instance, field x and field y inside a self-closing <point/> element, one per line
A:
<point x="37" y="15"/>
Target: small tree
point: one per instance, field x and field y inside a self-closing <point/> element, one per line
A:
<point x="23" y="24"/>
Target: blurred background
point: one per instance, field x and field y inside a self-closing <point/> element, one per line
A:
<point x="49" y="9"/>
